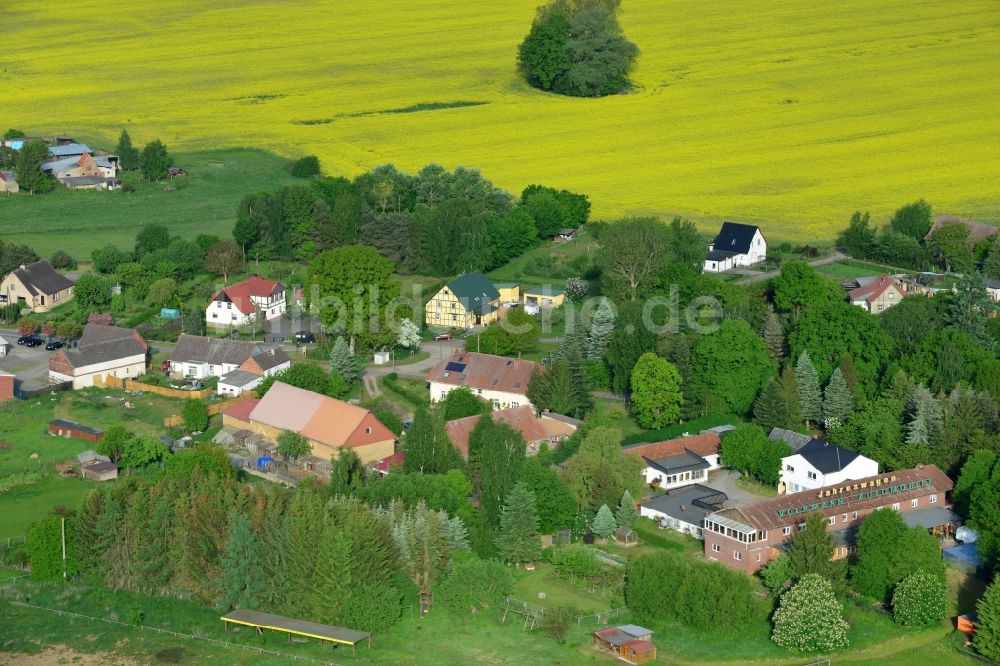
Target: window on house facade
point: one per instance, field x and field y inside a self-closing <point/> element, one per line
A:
<point x="789" y="468"/>
<point x="787" y="531"/>
<point x="914" y="502"/>
<point x="832" y="520"/>
<point x="811" y="475"/>
<point x="843" y="518"/>
<point x="895" y="506"/>
<point x="715" y="548"/>
<point x="737" y="555"/>
<point x="854" y="515"/>
<point x="933" y="499"/>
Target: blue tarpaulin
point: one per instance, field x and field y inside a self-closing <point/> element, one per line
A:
<point x="263" y="462"/>
<point x="964" y="557"/>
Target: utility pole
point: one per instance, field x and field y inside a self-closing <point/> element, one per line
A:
<point x="62" y="522"/>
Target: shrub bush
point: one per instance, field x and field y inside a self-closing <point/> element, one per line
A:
<point x="305" y="167"/>
<point x="371" y="608"/>
<point x="919" y="599"/>
<point x="474" y="585"/>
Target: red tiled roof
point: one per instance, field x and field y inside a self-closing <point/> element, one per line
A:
<point x="391" y="462"/>
<point x="871" y="292"/>
<point x="484" y="371"/>
<point x="239" y="294"/>
<point x="521" y="419"/>
<point x="241" y="410"/>
<point x="639" y="645"/>
<point x="706" y="444"/>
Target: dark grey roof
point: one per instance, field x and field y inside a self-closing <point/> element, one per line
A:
<point x="931" y="517"/>
<point x="215" y="351"/>
<point x="719" y="255"/>
<point x="101" y="467"/>
<point x="474" y="292"/>
<point x="271" y="358"/>
<point x="684" y="462"/>
<point x="69" y="149"/>
<point x="41" y="278"/>
<point x="993" y="284"/>
<point x="239" y="378"/>
<point x="795" y="440"/>
<point x="689" y="504"/>
<point x="100" y="344"/>
<point x="827" y="457"/>
<point x="88" y="457"/>
<point x="735" y="237"/>
<point x="73" y="425"/>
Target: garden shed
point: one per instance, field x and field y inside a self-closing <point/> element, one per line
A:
<point x="626" y="537"/>
<point x="64" y="428"/>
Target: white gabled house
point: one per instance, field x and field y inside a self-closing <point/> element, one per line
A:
<point x="736" y="245"/>
<point x="675" y="463"/>
<point x="239" y="303"/>
<point x="819" y="463"/>
<point x="501" y="381"/>
<point x="239" y="365"/>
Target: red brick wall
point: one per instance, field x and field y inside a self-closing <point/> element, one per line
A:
<point x="59" y="363"/>
<point x="6" y="387"/>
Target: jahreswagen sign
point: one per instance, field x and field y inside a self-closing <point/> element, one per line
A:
<point x="857" y="492"/>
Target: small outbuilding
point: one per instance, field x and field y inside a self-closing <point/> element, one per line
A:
<point x="629" y="642"/>
<point x="100" y="471"/>
<point x="72" y="429"/>
<point x="5" y="346"/>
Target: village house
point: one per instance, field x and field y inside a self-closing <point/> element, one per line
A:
<point x="749" y="536"/>
<point x="501" y="381"/>
<point x="818" y="463"/>
<point x="102" y="352"/>
<point x="85" y="171"/>
<point x="678" y="462"/>
<point x="736" y="245"/>
<point x="684" y="509"/>
<point x="536" y="298"/>
<point x="875" y="295"/>
<point x="239" y="303"/>
<point x="37" y="286"/>
<point x="468" y="300"/>
<point x="549" y="429"/>
<point x="200" y="357"/>
<point x="328" y="424"/>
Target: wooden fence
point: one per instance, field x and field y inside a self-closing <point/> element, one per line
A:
<point x="133" y="385"/>
<point x="214" y="408"/>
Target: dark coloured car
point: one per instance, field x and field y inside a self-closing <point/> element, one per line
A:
<point x="305" y="336"/>
<point x="54" y="345"/>
<point x="442" y="336"/>
<point x="34" y="342"/>
<point x="24" y="338"/>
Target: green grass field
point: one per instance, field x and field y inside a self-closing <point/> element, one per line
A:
<point x="791" y="114"/>
<point x="204" y="202"/>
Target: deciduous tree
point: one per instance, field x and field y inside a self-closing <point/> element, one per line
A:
<point x="656" y="392"/>
<point x="154" y="160"/>
<point x="809" y="617"/>
<point x="919" y="599"/>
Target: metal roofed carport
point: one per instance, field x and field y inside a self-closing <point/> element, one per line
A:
<point x="323" y="632"/>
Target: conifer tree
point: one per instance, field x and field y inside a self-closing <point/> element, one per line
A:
<point x="428" y="448"/>
<point x="602" y="324"/>
<point x="838" y="403"/>
<point x="680" y="356"/>
<point x="789" y="387"/>
<point x="28" y="168"/>
<point x="496" y="455"/>
<point x="927" y="419"/>
<point x="770" y="410"/>
<point x="809" y="617"/>
<point x="242" y="576"/>
<point x="850" y="375"/>
<point x="154" y="564"/>
<point x="331" y="583"/>
<point x="604" y="524"/>
<point x="517" y="537"/>
<point x="991" y="265"/>
<point x="626" y="515"/>
<point x="344" y="361"/>
<point x="773" y="334"/>
<point x="811" y="550"/>
<point x="128" y="155"/>
<point x="986" y="640"/>
<point x="810" y="404"/>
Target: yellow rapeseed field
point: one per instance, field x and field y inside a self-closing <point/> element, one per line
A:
<point x="787" y="113"/>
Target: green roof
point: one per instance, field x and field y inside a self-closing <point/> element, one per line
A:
<point x="474" y="291"/>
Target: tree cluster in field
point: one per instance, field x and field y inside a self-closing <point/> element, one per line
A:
<point x="152" y="161"/>
<point x="897" y="565"/>
<point x="436" y="222"/>
<point x="904" y="242"/>
<point x="577" y="48"/>
<point x="704" y="595"/>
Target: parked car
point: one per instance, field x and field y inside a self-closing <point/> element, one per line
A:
<point x="55" y="344"/>
<point x="34" y="342"/>
<point x="24" y="338"/>
<point x="442" y="336"/>
<point x="304" y="337"/>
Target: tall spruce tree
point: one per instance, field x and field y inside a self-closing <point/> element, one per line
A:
<point x="344" y="361"/>
<point x="128" y="155"/>
<point x="926" y="419"/>
<point x="789" y="387"/>
<point x="242" y="575"/>
<point x="602" y="325"/>
<point x="517" y="537"/>
<point x="680" y="356"/>
<point x="604" y="524"/>
<point x="810" y="402"/>
<point x="626" y="515"/>
<point x="811" y="550"/>
<point x="630" y="340"/>
<point x="496" y="455"/>
<point x="838" y="402"/>
<point x="770" y="409"/>
<point x="773" y="333"/>
<point x="331" y="583"/>
<point x="427" y="446"/>
<point x="28" y="169"/>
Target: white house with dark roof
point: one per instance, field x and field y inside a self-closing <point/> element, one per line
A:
<point x="736" y="245"/>
<point x="200" y="357"/>
<point x="684" y="509"/>
<point x="102" y="352"/>
<point x="679" y="462"/>
<point x="819" y="463"/>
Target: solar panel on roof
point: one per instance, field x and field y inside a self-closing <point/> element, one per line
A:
<point x="455" y="367"/>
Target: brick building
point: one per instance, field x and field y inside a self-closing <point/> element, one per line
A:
<point x="749" y="536"/>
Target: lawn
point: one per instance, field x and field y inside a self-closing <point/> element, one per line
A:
<point x="618" y="415"/>
<point x="853" y="269"/>
<point x="24" y="505"/>
<point x="791" y="114"/>
<point x="204" y="202"/>
<point x="557" y="591"/>
<point x="535" y="267"/>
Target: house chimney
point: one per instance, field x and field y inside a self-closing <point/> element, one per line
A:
<point x="23" y="267"/>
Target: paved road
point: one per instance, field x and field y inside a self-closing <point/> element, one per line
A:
<point x="760" y="277"/>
